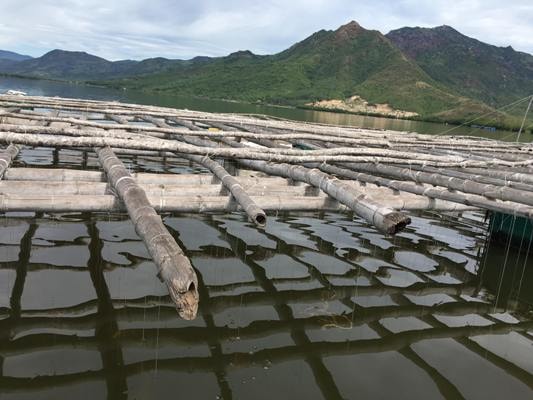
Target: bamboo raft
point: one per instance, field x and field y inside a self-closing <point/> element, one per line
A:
<point x="283" y="166"/>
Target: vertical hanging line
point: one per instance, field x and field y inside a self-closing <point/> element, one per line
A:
<point x="505" y="107"/>
<point x="508" y="247"/>
<point x="524" y="120"/>
<point x="524" y="266"/>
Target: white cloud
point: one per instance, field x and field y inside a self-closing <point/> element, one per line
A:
<point x="186" y="28"/>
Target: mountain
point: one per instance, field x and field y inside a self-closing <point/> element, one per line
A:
<point x="76" y="65"/>
<point x="494" y="75"/>
<point x="64" y="64"/>
<point x="433" y="74"/>
<point x="327" y="65"/>
<point x="11" y="56"/>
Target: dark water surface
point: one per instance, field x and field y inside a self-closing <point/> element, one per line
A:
<point x="316" y="305"/>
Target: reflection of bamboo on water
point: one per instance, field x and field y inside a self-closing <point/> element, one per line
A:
<point x="347" y="321"/>
<point x="481" y="351"/>
<point x="447" y="388"/>
<point x="213" y="340"/>
<point x="256" y="329"/>
<point x="106" y="329"/>
<point x="478" y="308"/>
<point x="18" y="286"/>
<point x="393" y="342"/>
<point x="323" y="377"/>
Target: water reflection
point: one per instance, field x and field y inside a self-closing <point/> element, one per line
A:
<point x="316" y="305"/>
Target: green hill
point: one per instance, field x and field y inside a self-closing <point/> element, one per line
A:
<point x="494" y="75"/>
<point x="11" y="56"/>
<point x="433" y="74"/>
<point x="81" y="66"/>
<point x="327" y="65"/>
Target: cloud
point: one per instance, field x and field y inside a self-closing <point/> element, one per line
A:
<point x="186" y="28"/>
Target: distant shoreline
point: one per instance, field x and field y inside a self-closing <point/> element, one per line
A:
<point x="453" y="122"/>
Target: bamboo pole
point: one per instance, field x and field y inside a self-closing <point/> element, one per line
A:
<point x="434" y="192"/>
<point x="82" y="106"/>
<point x="380" y="152"/>
<point x="383" y="218"/>
<point x="66" y="175"/>
<point x="470" y="194"/>
<point x="328" y="154"/>
<point x="164" y="131"/>
<point x="117" y="118"/>
<point x="13" y="129"/>
<point x="6" y="157"/>
<point x="185" y="204"/>
<point x="463" y="185"/>
<point x="69" y="188"/>
<point x="187" y="124"/>
<point x="492" y="188"/>
<point x="174" y="267"/>
<point x="250" y="207"/>
<point x="404" y="145"/>
<point x="194" y="198"/>
<point x="479" y="178"/>
<point x="279" y="155"/>
<point x="378" y="215"/>
<point x="9" y="111"/>
<point x="254" y="212"/>
<point x="503" y="174"/>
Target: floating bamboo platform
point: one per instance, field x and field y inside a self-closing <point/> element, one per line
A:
<point x="268" y="165"/>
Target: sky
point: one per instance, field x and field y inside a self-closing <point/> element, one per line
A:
<point x="138" y="29"/>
